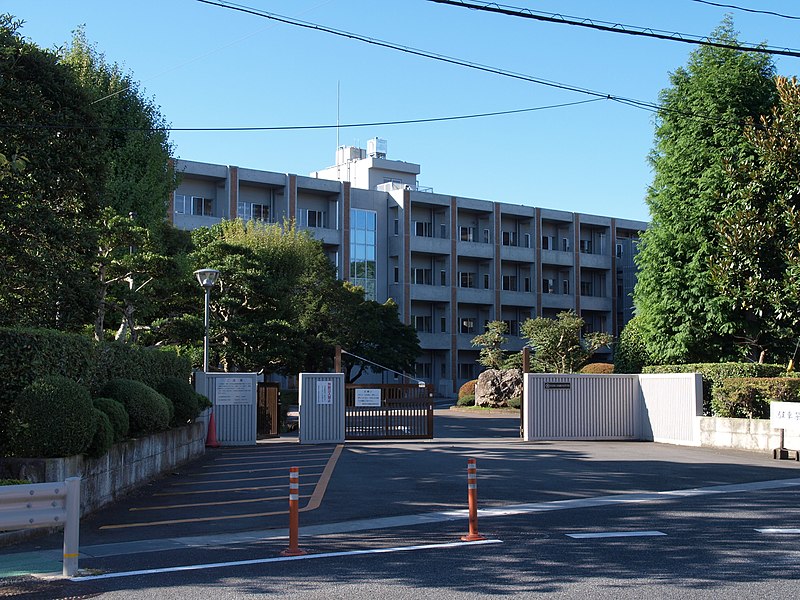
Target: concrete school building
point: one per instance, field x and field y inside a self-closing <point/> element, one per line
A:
<point x="452" y="264"/>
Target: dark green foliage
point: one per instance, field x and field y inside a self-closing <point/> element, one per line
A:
<point x="746" y="397"/>
<point x="466" y="400"/>
<point x="52" y="417"/>
<point x="25" y="354"/>
<point x="630" y="351"/>
<point x="148" y="410"/>
<point x="185" y="400"/>
<point x="714" y="373"/>
<point x="515" y="402"/>
<point x="699" y="131"/>
<point x="558" y="344"/>
<point x="117" y="416"/>
<point x="491" y="342"/>
<point x="103" y="437"/>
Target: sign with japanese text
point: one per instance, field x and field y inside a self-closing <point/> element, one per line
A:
<point x="557" y="385"/>
<point x="325" y="392"/>
<point x="234" y="390"/>
<point x="784" y="415"/>
<point x="368" y="397"/>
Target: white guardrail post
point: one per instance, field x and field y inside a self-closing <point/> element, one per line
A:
<point x="34" y="505"/>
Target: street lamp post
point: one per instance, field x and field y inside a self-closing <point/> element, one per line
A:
<point x="207" y="278"/>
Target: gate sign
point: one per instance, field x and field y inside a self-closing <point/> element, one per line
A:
<point x="784" y="415"/>
<point x="368" y="397"/>
<point x="324" y="392"/>
<point x="234" y="390"/>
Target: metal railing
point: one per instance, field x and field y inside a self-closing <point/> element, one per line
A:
<point x="45" y="505"/>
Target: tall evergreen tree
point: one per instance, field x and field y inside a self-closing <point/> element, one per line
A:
<point x="699" y="130"/>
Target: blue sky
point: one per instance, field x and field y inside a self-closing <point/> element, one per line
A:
<point x="210" y="67"/>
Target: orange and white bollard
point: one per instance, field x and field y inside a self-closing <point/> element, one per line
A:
<point x="472" y="487"/>
<point x="294" y="520"/>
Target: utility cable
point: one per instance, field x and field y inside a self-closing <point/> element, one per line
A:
<point x="527" y="13"/>
<point x="750" y="10"/>
<point x="414" y="379"/>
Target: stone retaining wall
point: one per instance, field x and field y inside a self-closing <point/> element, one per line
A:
<point x="744" y="434"/>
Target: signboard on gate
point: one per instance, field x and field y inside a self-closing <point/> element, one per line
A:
<point x="324" y="392"/>
<point x="368" y="397"/>
<point x="234" y="390"/>
<point x="784" y="415"/>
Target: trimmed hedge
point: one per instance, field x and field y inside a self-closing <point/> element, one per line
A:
<point x="103" y="437"/>
<point x="148" y="410"/>
<point x="598" y="369"/>
<point x="52" y="417"/>
<point x="117" y="416"/>
<point x="28" y="354"/>
<point x="186" y="401"/>
<point x="715" y="373"/>
<point x="466" y="400"/>
<point x="468" y="389"/>
<point x="749" y="398"/>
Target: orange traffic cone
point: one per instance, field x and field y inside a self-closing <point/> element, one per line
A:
<point x="211" y="438"/>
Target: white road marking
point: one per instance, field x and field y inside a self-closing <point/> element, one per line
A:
<point x="614" y="534"/>
<point x="791" y="531"/>
<point x="259" y="561"/>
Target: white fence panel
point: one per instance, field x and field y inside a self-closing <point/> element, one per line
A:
<point x="321" y="398"/>
<point x="234" y="398"/>
<point x="581" y="407"/>
<point x="671" y="404"/>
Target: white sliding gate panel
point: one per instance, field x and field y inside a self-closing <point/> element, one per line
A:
<point x="321" y="399"/>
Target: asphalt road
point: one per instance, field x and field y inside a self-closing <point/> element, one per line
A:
<point x="571" y="520"/>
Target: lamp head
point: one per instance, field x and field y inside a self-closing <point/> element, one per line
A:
<point x="207" y="277"/>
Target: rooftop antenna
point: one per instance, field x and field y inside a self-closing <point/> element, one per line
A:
<point x="337" y="113"/>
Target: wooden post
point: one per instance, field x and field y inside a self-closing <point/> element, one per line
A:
<point x="337" y="360"/>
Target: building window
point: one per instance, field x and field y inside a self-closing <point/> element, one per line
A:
<point x="397" y="226"/>
<point x="566" y="286"/>
<point x="486" y="236"/>
<point x="467" y="234"/>
<point x="443" y="231"/>
<point x="363" y="249"/>
<point x="466" y="280"/>
<point x="443" y="277"/>
<point x="422" y="370"/>
<point x="526" y="240"/>
<point x="443" y="324"/>
<point x="548" y="286"/>
<point x="312" y="218"/>
<point x="510" y="238"/>
<point x="423" y="229"/>
<point x="466" y="371"/>
<point x="586" y="246"/>
<point x="510" y="283"/>
<point x="422" y="276"/>
<point x="249" y="210"/>
<point x="397" y="274"/>
<point x="619" y="250"/>
<point x="179" y="204"/>
<point x="586" y="288"/>
<point x="486" y="281"/>
<point x="545" y="242"/>
<point x="527" y="284"/>
<point x="193" y="205"/>
<point x="422" y="323"/>
<point x="512" y="327"/>
<point x="467" y="325"/>
<point x="565" y="244"/>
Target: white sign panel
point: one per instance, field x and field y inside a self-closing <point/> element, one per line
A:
<point x="368" y="397"/>
<point x="234" y="390"/>
<point x="325" y="392"/>
<point x="784" y="415"/>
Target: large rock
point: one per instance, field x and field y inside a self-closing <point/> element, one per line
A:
<point x="495" y="388"/>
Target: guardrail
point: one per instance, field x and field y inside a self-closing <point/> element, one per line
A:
<point x="45" y="505"/>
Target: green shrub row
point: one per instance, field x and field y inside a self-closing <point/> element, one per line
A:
<point x="748" y="397"/>
<point x="56" y="417"/>
<point x="28" y="354"/>
<point x="715" y="373"/>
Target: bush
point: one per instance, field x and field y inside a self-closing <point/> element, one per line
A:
<point x="466" y="400"/>
<point x="714" y="373"/>
<point x="468" y="389"/>
<point x="515" y="402"/>
<point x="749" y="398"/>
<point x="185" y="400"/>
<point x="630" y="351"/>
<point x="103" y="437"/>
<point x="117" y="416"/>
<point x="148" y="410"/>
<point x="598" y="369"/>
<point x="52" y="417"/>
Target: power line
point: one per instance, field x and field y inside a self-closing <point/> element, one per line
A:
<point x="750" y="10"/>
<point x="527" y="13"/>
<point x="301" y="127"/>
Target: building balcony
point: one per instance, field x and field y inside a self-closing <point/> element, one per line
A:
<point x="430" y="293"/>
<point x="475" y="250"/>
<point x="556" y="257"/>
<point x="517" y="254"/>
<point x="329" y="237"/>
<point x="189" y="222"/>
<point x="558" y="301"/>
<point x="430" y="245"/>
<point x="595" y="261"/>
<point x="475" y="296"/>
<point x="526" y="299"/>
<point x="434" y="341"/>
<point x="597" y="303"/>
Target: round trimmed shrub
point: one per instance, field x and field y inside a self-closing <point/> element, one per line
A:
<point x="468" y="389"/>
<point x="117" y="415"/>
<point x="148" y="411"/>
<point x="103" y="435"/>
<point x="185" y="400"/>
<point x="52" y="417"/>
<point x="598" y="369"/>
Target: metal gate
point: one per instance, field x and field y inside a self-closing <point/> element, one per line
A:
<point x="267" y="411"/>
<point x="388" y="411"/>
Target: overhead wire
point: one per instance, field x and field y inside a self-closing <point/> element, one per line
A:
<point x="749" y="10"/>
<point x="527" y="13"/>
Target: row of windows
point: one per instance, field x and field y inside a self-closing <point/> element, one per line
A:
<point x="510" y="283"/>
<point x="424" y="324"/>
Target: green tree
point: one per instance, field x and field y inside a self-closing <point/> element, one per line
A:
<point x="699" y="131"/>
<point x="630" y="351"/>
<point x="491" y="344"/>
<point x="47" y="208"/>
<point x="558" y="345"/>
<point x="756" y="265"/>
